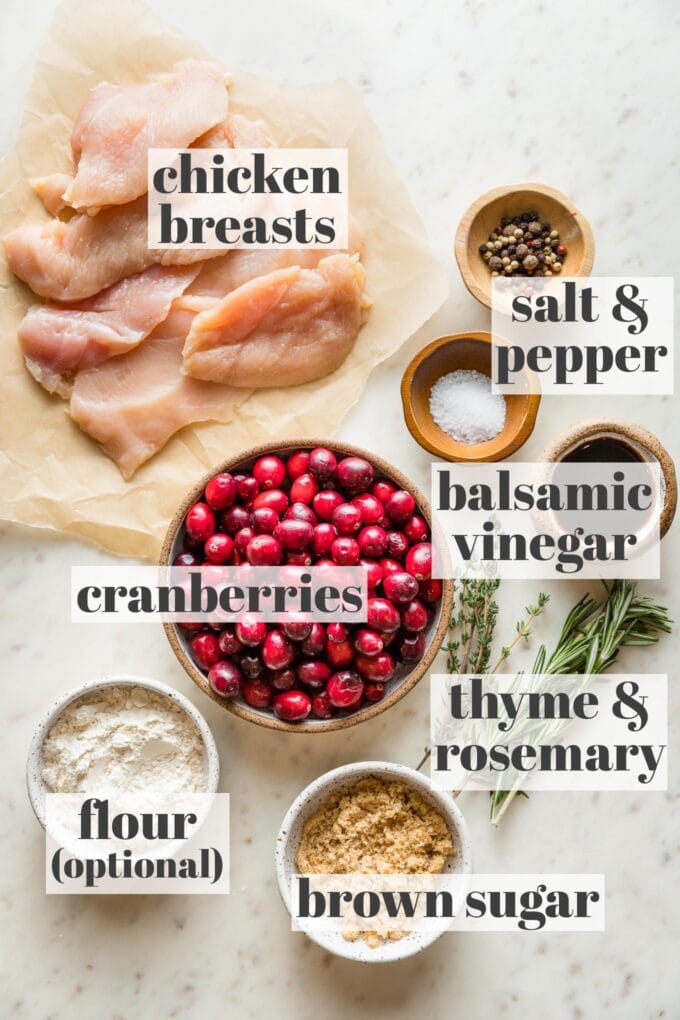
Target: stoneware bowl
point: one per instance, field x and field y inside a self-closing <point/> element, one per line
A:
<point x="448" y="354"/>
<point x="642" y="443"/>
<point x="36" y="786"/>
<point x="311" y="799"/>
<point x="486" y="212"/>
<point x="403" y="680"/>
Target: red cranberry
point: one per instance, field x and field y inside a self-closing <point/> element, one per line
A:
<point x="304" y="489"/>
<point x="264" y="520"/>
<point x="200" y="521"/>
<point x="374" y="573"/>
<point x="219" y="548"/>
<point x="324" y="503"/>
<point x="297" y="464"/>
<point x="251" y="630"/>
<point x="339" y="654"/>
<point x="225" y="679"/>
<point x="294" y="534"/>
<point x="431" y="590"/>
<point x="416" y="529"/>
<point x="264" y="551"/>
<point x="257" y="693"/>
<point x="235" y="518"/>
<point x="355" y="474"/>
<point x="400" y="586"/>
<point x="414" y="616"/>
<point x="374" y="692"/>
<point x="292" y="706"/>
<point x="378" y="668"/>
<point x="220" y="492"/>
<point x="381" y="615"/>
<point x="277" y="651"/>
<point x="301" y="512"/>
<point x="368" y="642"/>
<point x="345" y="551"/>
<point x="397" y="544"/>
<point x="400" y="506"/>
<point x="296" y="628"/>
<point x="247" y="488"/>
<point x="382" y="490"/>
<point x="241" y="539"/>
<point x="190" y="626"/>
<point x="372" y="540"/>
<point x="228" y="642"/>
<point x="337" y="632"/>
<point x="270" y="471"/>
<point x="345" y="689"/>
<point x="324" y="536"/>
<point x="251" y="666"/>
<point x="347" y="519"/>
<point x="299" y="559"/>
<point x="372" y="510"/>
<point x="321" y="706"/>
<point x="205" y="650"/>
<point x="314" y="674"/>
<point x="316" y="642"/>
<point x="322" y="463"/>
<point x="419" y="561"/>
<point x="186" y="559"/>
<point x="390" y="566"/>
<point x="412" y="647"/>
<point x="282" y="679"/>
<point x="274" y="498"/>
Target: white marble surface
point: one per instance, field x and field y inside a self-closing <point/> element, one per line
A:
<point x="468" y="95"/>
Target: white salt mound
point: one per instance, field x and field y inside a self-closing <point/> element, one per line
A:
<point x="464" y="407"/>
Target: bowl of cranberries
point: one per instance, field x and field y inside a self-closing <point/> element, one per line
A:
<point x="310" y="503"/>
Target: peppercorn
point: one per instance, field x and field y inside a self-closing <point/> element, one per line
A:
<point x="529" y="262"/>
<point x="521" y="246"/>
<point x="535" y="228"/>
<point x="495" y="262"/>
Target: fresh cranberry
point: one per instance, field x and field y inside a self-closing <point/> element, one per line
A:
<point x="225" y="679"/>
<point x="229" y="643"/>
<point x="251" y="666"/>
<point x="296" y="628"/>
<point x="431" y="590"/>
<point x="419" y="561"/>
<point x="200" y="521"/>
<point x="304" y="489"/>
<point x="251" y="630"/>
<point x="257" y="693"/>
<point x="294" y="534"/>
<point x="301" y="512"/>
<point x="337" y="632"/>
<point x="324" y="503"/>
<point x="400" y="586"/>
<point x="390" y="566"/>
<point x="345" y="689"/>
<point x="414" y="616"/>
<point x="270" y="471"/>
<point x="220" y="492"/>
<point x="345" y="551"/>
<point x="314" y="674"/>
<point x="412" y="647"/>
<point x="321" y="706"/>
<point x="397" y="544"/>
<point x="264" y="551"/>
<point x="378" y="668"/>
<point x="274" y="498"/>
<point x="347" y="519"/>
<point x="355" y="474"/>
<point x="416" y="529"/>
<point x="186" y="559"/>
<point x="372" y="510"/>
<point x="247" y="488"/>
<point x="297" y="464"/>
<point x="381" y="615"/>
<point x="339" y="654"/>
<point x="191" y="626"/>
<point x="205" y="650"/>
<point x="277" y="651"/>
<point x="241" y="539"/>
<point x="235" y="518"/>
<point x="368" y="642"/>
<point x="299" y="559"/>
<point x="264" y="520"/>
<point x="292" y="706"/>
<point x="372" y="540"/>
<point x="324" y="536"/>
<point x="322" y="463"/>
<point x="400" y="506"/>
<point x="374" y="692"/>
<point x="282" y="679"/>
<point x="316" y="642"/>
<point x="382" y="490"/>
<point x="374" y="573"/>
<point x="219" y="548"/>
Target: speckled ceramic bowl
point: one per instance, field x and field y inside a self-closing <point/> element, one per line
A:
<point x="36" y="786"/>
<point x="311" y="799"/>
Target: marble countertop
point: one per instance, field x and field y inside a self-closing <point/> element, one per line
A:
<point x="468" y="96"/>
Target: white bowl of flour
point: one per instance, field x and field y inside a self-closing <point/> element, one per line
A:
<point x="121" y="734"/>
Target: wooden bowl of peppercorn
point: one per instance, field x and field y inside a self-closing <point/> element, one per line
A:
<point x="538" y="212"/>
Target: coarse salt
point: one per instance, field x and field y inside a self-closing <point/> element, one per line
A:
<point x="463" y="406"/>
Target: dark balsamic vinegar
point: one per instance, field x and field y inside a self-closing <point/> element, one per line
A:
<point x="606" y="450"/>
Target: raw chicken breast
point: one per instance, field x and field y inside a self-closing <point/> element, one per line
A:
<point x="237" y="132"/>
<point x="133" y="404"/>
<point x="57" y="340"/>
<point x="50" y="190"/>
<point x="118" y="124"/>
<point x="286" y="328"/>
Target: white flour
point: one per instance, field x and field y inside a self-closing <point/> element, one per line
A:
<point x="124" y="739"/>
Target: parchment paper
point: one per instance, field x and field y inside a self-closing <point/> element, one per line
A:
<point x="54" y="476"/>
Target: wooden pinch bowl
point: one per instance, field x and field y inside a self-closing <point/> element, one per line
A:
<point x="485" y="213"/>
<point x="471" y="351"/>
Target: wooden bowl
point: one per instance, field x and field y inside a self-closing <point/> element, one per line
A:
<point x="448" y="354"/>
<point x="485" y="214"/>
<point x="403" y="680"/>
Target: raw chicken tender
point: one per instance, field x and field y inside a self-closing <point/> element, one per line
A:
<point x="57" y="340"/>
<point x="133" y="404"/>
<point x="118" y="124"/>
<point x="50" y="190"/>
<point x="286" y="328"/>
